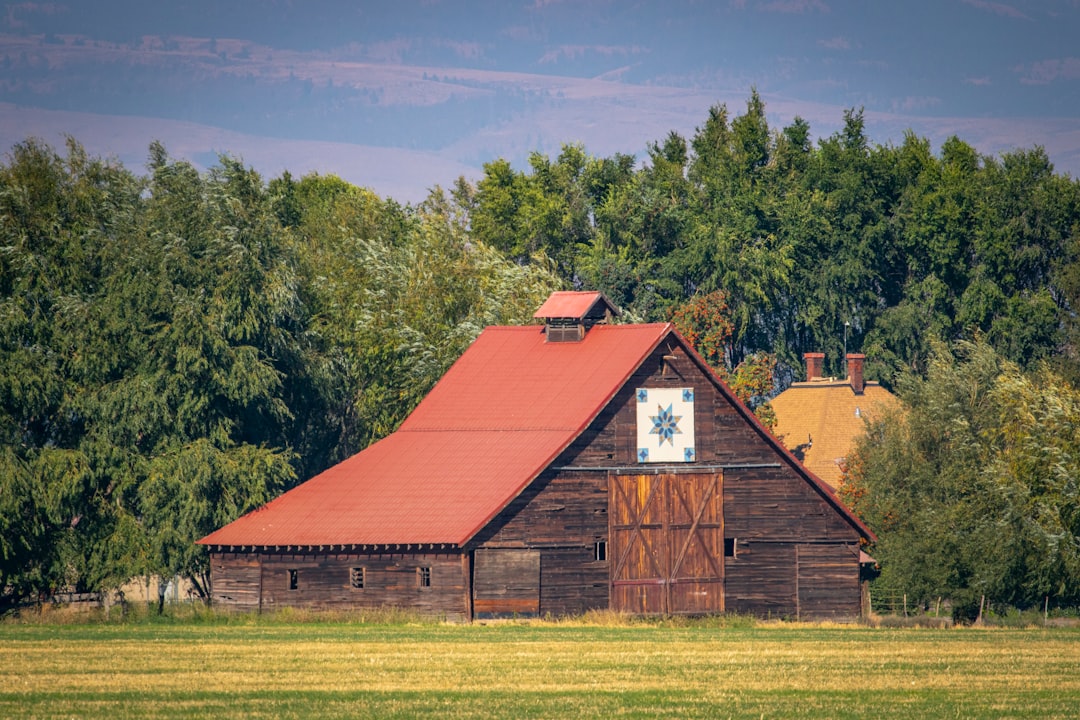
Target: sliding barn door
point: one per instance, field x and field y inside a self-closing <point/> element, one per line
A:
<point x="667" y="543"/>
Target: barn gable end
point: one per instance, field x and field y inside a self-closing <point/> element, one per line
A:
<point x="777" y="543"/>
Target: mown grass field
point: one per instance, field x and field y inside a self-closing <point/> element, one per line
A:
<point x="279" y="669"/>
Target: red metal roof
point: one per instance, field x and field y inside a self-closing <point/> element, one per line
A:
<point x="571" y="304"/>
<point x="499" y="416"/>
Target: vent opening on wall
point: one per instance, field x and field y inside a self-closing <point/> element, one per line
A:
<point x="564" y="330"/>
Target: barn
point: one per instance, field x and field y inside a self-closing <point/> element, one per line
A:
<point x="556" y="468"/>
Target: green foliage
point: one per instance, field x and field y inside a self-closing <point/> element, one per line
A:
<point x="396" y="297"/>
<point x="706" y="324"/>
<point x="65" y="225"/>
<point x="972" y="489"/>
<point x="179" y="347"/>
<point x="879" y="249"/>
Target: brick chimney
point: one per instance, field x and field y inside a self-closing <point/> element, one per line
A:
<point x="814" y="363"/>
<point x="855" y="372"/>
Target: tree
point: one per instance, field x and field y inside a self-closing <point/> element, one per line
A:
<point x="397" y="295"/>
<point x="972" y="488"/>
<point x="221" y="341"/>
<point x="65" y="224"/>
<point x="735" y="242"/>
<point x="706" y="324"/>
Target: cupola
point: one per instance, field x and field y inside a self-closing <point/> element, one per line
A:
<point x="568" y="315"/>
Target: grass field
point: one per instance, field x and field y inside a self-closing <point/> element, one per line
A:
<point x="273" y="668"/>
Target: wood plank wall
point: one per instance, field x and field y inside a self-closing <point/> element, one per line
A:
<point x="324" y="582"/>
<point x="234" y="579"/>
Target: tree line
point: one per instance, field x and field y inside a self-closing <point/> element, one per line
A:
<point x="889" y="246"/>
<point x="177" y="347"/>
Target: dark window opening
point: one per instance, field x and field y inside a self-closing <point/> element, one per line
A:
<point x="600" y="551"/>
<point x="423" y="576"/>
<point x="293" y="579"/>
<point x="729" y="547"/>
<point x="357" y="576"/>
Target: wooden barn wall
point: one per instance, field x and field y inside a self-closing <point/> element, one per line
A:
<point x="562" y="518"/>
<point x="234" y="580"/>
<point x="506" y="583"/>
<point x="828" y="581"/>
<point x="774" y="515"/>
<point x="777" y="504"/>
<point x="760" y="579"/>
<point x="325" y="581"/>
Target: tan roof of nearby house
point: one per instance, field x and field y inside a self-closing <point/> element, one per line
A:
<point x="818" y="421"/>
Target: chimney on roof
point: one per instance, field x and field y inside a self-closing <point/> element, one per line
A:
<point x="855" y="372"/>
<point x="814" y="363"/>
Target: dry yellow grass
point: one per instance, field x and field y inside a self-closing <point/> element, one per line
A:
<point x="535" y="669"/>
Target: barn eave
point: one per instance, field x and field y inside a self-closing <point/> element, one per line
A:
<point x="345" y="548"/>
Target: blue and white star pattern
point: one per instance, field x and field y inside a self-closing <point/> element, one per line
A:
<point x="665" y="425"/>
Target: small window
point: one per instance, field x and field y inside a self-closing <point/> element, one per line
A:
<point x="357" y="577"/>
<point x="423" y="576"/>
<point x="600" y="551"/>
<point x="293" y="579"/>
<point x="729" y="547"/>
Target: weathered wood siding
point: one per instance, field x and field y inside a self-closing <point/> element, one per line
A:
<point x="760" y="579"/>
<point x="794" y="554"/>
<point x="828" y="581"/>
<point x="572" y="581"/>
<point x="234" y="580"/>
<point x="561" y="518"/>
<point x="506" y="583"/>
<point x="781" y="525"/>
<point x="325" y="581"/>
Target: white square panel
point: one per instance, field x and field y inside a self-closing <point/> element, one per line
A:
<point x="665" y="425"/>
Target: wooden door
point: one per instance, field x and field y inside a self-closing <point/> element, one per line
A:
<point x="506" y="583"/>
<point x="667" y="543"/>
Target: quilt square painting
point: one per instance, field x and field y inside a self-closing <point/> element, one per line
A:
<point x="665" y="425"/>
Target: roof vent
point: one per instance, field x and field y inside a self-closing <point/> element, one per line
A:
<point x="569" y="315"/>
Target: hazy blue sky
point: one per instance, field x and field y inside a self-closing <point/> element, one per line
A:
<point x="402" y="95"/>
